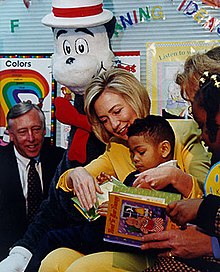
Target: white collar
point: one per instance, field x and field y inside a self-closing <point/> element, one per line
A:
<point x="168" y="163"/>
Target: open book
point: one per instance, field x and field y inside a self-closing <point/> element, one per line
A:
<point x="116" y="186"/>
<point x="130" y="215"/>
<point x="106" y="187"/>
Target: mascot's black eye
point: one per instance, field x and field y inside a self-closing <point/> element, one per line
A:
<point x="81" y="46"/>
<point x="67" y="48"/>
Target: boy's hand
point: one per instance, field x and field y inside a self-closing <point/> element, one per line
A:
<point x="103" y="209"/>
<point x="102" y="177"/>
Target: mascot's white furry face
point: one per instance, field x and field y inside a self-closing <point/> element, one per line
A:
<point x="79" y="55"/>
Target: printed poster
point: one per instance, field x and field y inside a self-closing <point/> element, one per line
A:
<point x="163" y="61"/>
<point x="22" y="78"/>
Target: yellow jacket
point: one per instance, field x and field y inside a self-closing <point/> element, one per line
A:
<point x="191" y="157"/>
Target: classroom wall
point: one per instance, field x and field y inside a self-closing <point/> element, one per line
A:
<point x="152" y="28"/>
<point x="21" y="30"/>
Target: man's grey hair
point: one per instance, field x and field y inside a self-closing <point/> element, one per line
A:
<point x="22" y="108"/>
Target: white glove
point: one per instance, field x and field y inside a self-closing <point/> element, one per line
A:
<point x="17" y="260"/>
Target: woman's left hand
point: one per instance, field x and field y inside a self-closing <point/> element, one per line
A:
<point x="188" y="243"/>
<point x="159" y="177"/>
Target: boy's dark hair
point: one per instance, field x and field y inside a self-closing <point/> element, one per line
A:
<point x="154" y="126"/>
<point x="208" y="98"/>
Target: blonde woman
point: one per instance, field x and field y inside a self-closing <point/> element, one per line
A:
<point x="113" y="101"/>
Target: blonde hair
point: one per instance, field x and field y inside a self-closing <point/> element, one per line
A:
<point x="194" y="67"/>
<point x="121" y="82"/>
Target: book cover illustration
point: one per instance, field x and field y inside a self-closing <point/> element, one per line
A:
<point x="130" y="217"/>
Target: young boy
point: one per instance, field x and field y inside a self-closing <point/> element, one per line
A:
<point x="151" y="142"/>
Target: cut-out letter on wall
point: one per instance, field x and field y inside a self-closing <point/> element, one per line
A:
<point x="14" y="23"/>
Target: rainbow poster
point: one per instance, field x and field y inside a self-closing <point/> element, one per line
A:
<point x="25" y="78"/>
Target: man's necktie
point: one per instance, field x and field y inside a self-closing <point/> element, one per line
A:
<point x="35" y="195"/>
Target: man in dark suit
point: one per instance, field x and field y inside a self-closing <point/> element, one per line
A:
<point x="26" y="126"/>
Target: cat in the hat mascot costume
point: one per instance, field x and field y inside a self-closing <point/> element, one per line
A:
<point x="82" y="30"/>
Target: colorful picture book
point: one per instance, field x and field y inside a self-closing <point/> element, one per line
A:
<point x="106" y="187"/>
<point x="132" y="215"/>
<point x="117" y="186"/>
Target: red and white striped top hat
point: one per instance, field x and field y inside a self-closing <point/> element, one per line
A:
<point x="77" y="13"/>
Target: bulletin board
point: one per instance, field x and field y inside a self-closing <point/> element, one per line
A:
<point x="141" y="25"/>
<point x="164" y="61"/>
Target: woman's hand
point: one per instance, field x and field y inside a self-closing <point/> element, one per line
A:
<point x="103" y="209"/>
<point x="183" y="211"/>
<point x="159" y="177"/>
<point x="188" y="243"/>
<point x="85" y="187"/>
